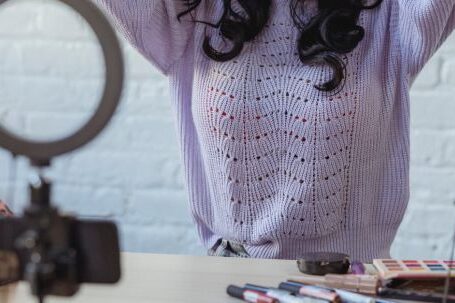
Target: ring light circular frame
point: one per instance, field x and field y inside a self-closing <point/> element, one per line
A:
<point x="43" y="152"/>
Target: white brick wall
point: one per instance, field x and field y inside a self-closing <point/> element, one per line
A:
<point x="50" y="75"/>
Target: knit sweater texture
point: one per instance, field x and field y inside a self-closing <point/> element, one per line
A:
<point x="270" y="161"/>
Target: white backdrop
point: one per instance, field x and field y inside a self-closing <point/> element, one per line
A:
<point x="50" y="76"/>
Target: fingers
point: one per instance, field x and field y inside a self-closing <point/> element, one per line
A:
<point x="4" y="210"/>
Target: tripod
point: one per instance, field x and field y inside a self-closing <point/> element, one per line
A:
<point x="53" y="252"/>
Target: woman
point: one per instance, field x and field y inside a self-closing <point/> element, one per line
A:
<point x="293" y="115"/>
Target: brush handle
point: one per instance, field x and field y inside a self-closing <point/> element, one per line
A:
<point x="365" y="284"/>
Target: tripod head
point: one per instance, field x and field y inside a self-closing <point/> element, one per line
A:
<point x="53" y="252"/>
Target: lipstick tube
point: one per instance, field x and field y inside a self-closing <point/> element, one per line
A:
<point x="311" y="291"/>
<point x="365" y="284"/>
<point x="283" y="296"/>
<point x="249" y="295"/>
<point x="345" y="296"/>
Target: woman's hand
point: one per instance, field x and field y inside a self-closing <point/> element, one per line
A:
<point x="4" y="210"/>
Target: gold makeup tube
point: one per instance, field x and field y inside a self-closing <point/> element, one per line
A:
<point x="365" y="284"/>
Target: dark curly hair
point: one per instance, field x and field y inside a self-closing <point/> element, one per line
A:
<point x="332" y="31"/>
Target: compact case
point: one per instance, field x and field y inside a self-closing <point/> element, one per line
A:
<point x="322" y="263"/>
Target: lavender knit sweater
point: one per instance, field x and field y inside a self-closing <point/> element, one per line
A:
<point x="270" y="161"/>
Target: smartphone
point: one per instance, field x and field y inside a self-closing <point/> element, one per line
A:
<point x="83" y="251"/>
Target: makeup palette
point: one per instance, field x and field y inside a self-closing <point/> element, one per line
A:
<point x="414" y="269"/>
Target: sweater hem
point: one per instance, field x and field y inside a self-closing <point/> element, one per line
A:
<point x="362" y="244"/>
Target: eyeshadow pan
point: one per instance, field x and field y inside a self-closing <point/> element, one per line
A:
<point x="395" y="269"/>
<point x="394" y="266"/>
<point x="413" y="265"/>
<point x="435" y="265"/>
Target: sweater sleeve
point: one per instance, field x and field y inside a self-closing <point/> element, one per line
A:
<point x="423" y="26"/>
<point x="151" y="26"/>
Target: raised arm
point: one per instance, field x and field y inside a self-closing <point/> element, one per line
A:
<point x="152" y="27"/>
<point x="423" y="26"/>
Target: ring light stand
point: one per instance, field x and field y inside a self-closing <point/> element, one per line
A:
<point x="57" y="253"/>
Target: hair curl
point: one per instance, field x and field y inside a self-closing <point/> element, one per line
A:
<point x="332" y="31"/>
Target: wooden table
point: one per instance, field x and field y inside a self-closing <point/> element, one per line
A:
<point x="149" y="278"/>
